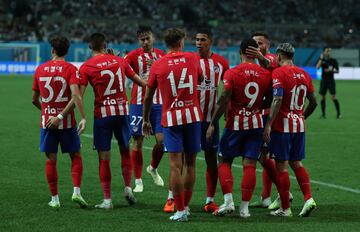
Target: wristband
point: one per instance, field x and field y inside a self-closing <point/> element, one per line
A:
<point x="59" y="116"/>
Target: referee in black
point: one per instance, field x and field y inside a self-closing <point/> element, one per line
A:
<point x="329" y="66"/>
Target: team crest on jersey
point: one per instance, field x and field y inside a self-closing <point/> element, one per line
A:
<point x="135" y="128"/>
<point x="216" y="69"/>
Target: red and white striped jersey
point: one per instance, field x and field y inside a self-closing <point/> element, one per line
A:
<point x="53" y="79"/>
<point x="295" y="84"/>
<point x="177" y="75"/>
<point x="137" y="59"/>
<point x="106" y="74"/>
<point x="213" y="69"/>
<point x="248" y="83"/>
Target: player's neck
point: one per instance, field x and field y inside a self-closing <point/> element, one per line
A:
<point x="175" y="50"/>
<point x="57" y="58"/>
<point x="287" y="62"/>
<point x="205" y="54"/>
<point x="96" y="53"/>
<point x="245" y="59"/>
<point x="148" y="50"/>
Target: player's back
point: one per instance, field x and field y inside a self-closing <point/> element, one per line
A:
<point x="106" y="74"/>
<point x="296" y="84"/>
<point x="177" y="76"/>
<point x="53" y="79"/>
<point x="249" y="83"/>
<point x="138" y="60"/>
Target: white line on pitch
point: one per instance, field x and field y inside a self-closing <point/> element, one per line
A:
<point x="344" y="188"/>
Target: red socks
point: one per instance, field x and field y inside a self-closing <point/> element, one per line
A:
<point x="211" y="181"/>
<point x="179" y="201"/>
<point x="268" y="177"/>
<point x="304" y="182"/>
<point x="283" y="182"/>
<point x="157" y="154"/>
<point x="187" y="197"/>
<point x="137" y="162"/>
<point x="105" y="178"/>
<point x="248" y="182"/>
<point x="225" y="178"/>
<point x="76" y="170"/>
<point x="52" y="177"/>
<point x="126" y="166"/>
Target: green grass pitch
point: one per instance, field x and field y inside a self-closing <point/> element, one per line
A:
<point x="333" y="161"/>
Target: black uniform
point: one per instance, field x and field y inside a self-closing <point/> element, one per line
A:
<point x="327" y="78"/>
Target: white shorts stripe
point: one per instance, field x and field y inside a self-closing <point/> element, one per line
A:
<point x="178" y="117"/>
<point x="169" y="118"/>
<point x="286" y="125"/>
<point x="236" y="122"/>
<point x="188" y="115"/>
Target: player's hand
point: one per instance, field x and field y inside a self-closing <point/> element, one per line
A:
<point x="328" y="70"/>
<point x="81" y="126"/>
<point x="254" y="52"/>
<point x="146" y="128"/>
<point x="52" y="123"/>
<point x="209" y="133"/>
<point x="266" y="134"/>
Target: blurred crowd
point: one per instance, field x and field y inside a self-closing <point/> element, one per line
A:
<point x="303" y="23"/>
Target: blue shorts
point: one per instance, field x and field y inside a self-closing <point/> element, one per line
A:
<point x="183" y="138"/>
<point x="245" y="143"/>
<point x="136" y="119"/>
<point x="104" y="129"/>
<point x="68" y="138"/>
<point x="205" y="145"/>
<point x="287" y="146"/>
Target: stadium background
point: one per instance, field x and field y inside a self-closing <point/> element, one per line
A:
<point x="332" y="145"/>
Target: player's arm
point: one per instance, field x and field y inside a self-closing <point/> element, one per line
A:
<point x="220" y="108"/>
<point x="318" y="65"/>
<point x="36" y="99"/>
<point x="77" y="98"/>
<point x="311" y="106"/>
<point x="274" y="110"/>
<point x="146" y="127"/>
<point x="137" y="80"/>
<point x="256" y="53"/>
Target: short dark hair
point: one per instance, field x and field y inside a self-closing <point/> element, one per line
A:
<point x="286" y="50"/>
<point x="97" y="41"/>
<point x="247" y="43"/>
<point x="60" y="44"/>
<point x="173" y="36"/>
<point x="205" y="30"/>
<point x="326" y="47"/>
<point x="260" y="33"/>
<point x="143" y="29"/>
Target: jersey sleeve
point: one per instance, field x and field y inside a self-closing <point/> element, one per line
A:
<point x="311" y="88"/>
<point x="228" y="80"/>
<point x="83" y="76"/>
<point x="336" y="65"/>
<point x="277" y="83"/>
<point x="225" y="63"/>
<point x="129" y="72"/>
<point x="128" y="58"/>
<point x="74" y="76"/>
<point x="152" y="81"/>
